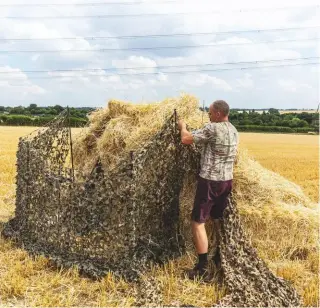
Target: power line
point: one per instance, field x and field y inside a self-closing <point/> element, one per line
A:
<point x="156" y="47"/>
<point x="120" y="3"/>
<point x="153" y="14"/>
<point x="86" y="3"/>
<point x="157" y="67"/>
<point x="158" y="35"/>
<point x="173" y="72"/>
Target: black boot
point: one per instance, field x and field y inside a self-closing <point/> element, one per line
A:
<point x="200" y="271"/>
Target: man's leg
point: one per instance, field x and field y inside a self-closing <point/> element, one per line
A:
<point x="200" y="214"/>
<point x="200" y="240"/>
<point x="200" y="237"/>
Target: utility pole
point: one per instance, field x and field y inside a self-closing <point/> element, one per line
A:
<point x="70" y="139"/>
<point x="203" y="110"/>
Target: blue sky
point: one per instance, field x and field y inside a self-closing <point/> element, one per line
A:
<point x="278" y="87"/>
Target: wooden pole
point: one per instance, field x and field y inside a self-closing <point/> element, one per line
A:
<point x="71" y="150"/>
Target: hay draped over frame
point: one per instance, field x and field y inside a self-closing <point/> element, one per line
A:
<point x="94" y="212"/>
<point x="124" y="127"/>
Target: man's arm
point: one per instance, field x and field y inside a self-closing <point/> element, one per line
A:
<point x="200" y="136"/>
<point x="186" y="137"/>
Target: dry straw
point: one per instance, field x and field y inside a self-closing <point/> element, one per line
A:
<point x="270" y="205"/>
<point x="280" y="220"/>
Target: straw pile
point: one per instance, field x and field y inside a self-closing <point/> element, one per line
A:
<point x="124" y="127"/>
<point x="278" y="218"/>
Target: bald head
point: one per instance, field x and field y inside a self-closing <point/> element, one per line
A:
<point x="219" y="111"/>
<point x="221" y="106"/>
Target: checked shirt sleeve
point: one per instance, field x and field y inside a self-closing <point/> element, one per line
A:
<point x="203" y="135"/>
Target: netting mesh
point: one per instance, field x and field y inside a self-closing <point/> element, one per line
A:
<point x="247" y="277"/>
<point x="103" y="221"/>
<point x="121" y="219"/>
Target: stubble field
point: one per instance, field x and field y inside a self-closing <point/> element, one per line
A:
<point x="24" y="281"/>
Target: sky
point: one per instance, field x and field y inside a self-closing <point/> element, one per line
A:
<point x="228" y="62"/>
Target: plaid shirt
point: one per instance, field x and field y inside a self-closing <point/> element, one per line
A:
<point x="219" y="143"/>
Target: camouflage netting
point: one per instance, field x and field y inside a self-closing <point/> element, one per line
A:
<point x="125" y="213"/>
<point x="103" y="222"/>
<point x="247" y="277"/>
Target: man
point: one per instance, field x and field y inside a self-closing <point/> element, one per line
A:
<point x="219" y="142"/>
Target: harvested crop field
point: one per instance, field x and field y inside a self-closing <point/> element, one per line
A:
<point x="280" y="220"/>
<point x="296" y="157"/>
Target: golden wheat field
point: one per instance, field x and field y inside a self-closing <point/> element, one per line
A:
<point x="34" y="282"/>
<point x="295" y="157"/>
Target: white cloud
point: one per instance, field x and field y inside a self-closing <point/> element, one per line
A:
<point x="284" y="85"/>
<point x="201" y="80"/>
<point x="35" y="57"/>
<point x="219" y="83"/>
<point x="15" y="82"/>
<point x="42" y="29"/>
<point x="135" y="61"/>
<point x="292" y="85"/>
<point x="235" y="40"/>
<point x="162" y="77"/>
<point x="245" y="82"/>
<point x="113" y="79"/>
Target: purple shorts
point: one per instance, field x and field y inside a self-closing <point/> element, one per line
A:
<point x="211" y="199"/>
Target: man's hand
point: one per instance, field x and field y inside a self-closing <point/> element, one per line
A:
<point x="182" y="125"/>
<point x="186" y="137"/>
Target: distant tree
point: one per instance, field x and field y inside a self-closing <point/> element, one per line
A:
<point x="295" y="122"/>
<point x="285" y="123"/>
<point x="17" y="110"/>
<point x="274" y="111"/>
<point x="2" y="109"/>
<point x="33" y="106"/>
<point x="305" y="116"/>
<point x="51" y="111"/>
<point x="18" y="119"/>
<point x="58" y="108"/>
<point x="39" y="111"/>
<point x="303" y="123"/>
<point x="288" y="117"/>
<point x="257" y="122"/>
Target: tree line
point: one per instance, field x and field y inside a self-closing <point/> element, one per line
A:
<point x="244" y="120"/>
<point x="34" y="115"/>
<point x="273" y="121"/>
